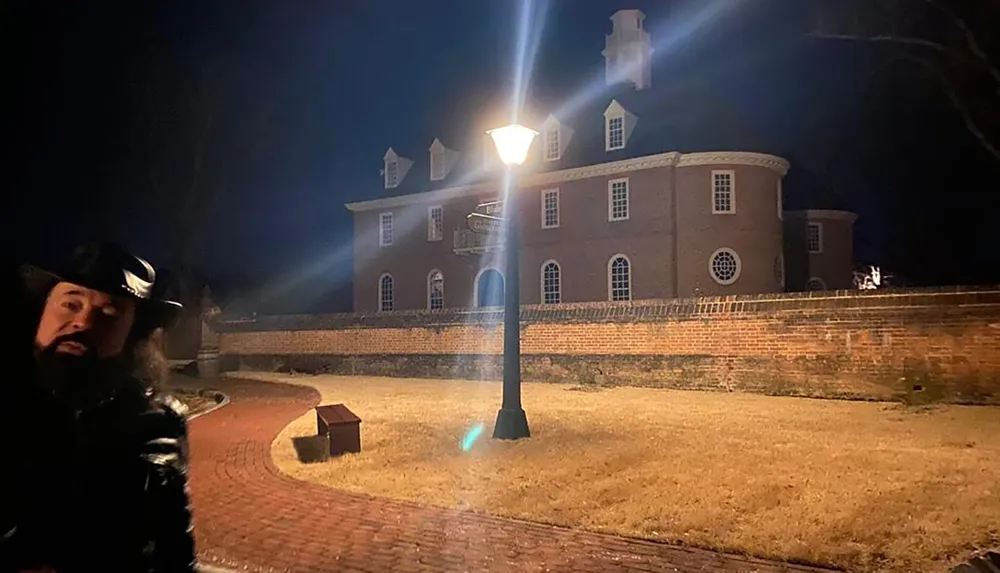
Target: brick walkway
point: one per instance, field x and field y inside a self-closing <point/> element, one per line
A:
<point x="250" y="517"/>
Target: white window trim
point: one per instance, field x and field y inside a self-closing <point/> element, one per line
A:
<point x="430" y="275"/>
<point x="392" y="292"/>
<point x="607" y="132"/>
<point x="438" y="163"/>
<point x="816" y="279"/>
<point x="558" y="213"/>
<point x="732" y="191"/>
<point x="781" y="205"/>
<point x="819" y="226"/>
<point x="541" y="281"/>
<point x="739" y="266"/>
<point x="548" y="141"/>
<point x="394" y="184"/>
<point x="628" y="199"/>
<point x="381" y="230"/>
<point x="608" y="273"/>
<point x="475" y="284"/>
<point x="430" y="223"/>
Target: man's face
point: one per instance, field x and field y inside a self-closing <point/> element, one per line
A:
<point x="78" y="321"/>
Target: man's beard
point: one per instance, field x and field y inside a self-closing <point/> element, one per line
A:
<point x="78" y="380"/>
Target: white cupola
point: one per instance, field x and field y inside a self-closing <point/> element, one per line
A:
<point x="628" y="53"/>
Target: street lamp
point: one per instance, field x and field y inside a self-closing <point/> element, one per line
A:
<point x="512" y="142"/>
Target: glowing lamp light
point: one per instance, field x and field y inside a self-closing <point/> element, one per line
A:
<point x="513" y="142"/>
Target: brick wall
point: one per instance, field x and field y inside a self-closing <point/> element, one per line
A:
<point x="922" y="345"/>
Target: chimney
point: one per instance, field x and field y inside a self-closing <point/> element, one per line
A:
<point x="628" y="53"/>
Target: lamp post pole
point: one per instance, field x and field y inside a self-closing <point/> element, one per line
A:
<point x="512" y="423"/>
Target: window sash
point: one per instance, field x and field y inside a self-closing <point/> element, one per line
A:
<point x="435" y="224"/>
<point x="616" y="132"/>
<point x="723" y="195"/>
<point x="814" y="238"/>
<point x="551" y="284"/>
<point x="618" y="200"/>
<point x="385" y="293"/>
<point x="437" y="165"/>
<point x="550" y="208"/>
<point x="435" y="291"/>
<point x="552" y="144"/>
<point x="620" y="280"/>
<point x="392" y="173"/>
<point x="385" y="230"/>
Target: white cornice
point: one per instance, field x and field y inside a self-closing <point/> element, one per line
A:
<point x="601" y="169"/>
<point x="772" y="162"/>
<point x="828" y="214"/>
<point x="670" y="159"/>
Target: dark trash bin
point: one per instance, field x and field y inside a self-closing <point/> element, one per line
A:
<point x="342" y="426"/>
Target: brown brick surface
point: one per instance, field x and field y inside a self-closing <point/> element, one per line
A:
<point x="668" y="237"/>
<point x="945" y="343"/>
<point x="250" y="517"/>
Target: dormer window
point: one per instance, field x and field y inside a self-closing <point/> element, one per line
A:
<point x="552" y="143"/>
<point x="437" y="164"/>
<point x="555" y="138"/>
<point x="442" y="160"/>
<point x="394" y="169"/>
<point x="391" y="174"/>
<point x="616" y="133"/>
<point x="618" y="126"/>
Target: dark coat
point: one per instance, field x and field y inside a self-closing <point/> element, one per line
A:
<point x="100" y="488"/>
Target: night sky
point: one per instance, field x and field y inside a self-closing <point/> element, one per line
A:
<point x="291" y="105"/>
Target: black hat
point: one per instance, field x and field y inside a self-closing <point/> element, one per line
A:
<point x="109" y="268"/>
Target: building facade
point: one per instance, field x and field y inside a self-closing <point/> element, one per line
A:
<point x="819" y="249"/>
<point x="620" y="200"/>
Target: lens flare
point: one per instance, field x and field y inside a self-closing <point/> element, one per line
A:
<point x="471" y="436"/>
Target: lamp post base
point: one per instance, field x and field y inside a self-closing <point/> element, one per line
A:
<point x="512" y="424"/>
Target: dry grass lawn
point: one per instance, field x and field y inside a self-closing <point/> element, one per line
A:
<point x="864" y="486"/>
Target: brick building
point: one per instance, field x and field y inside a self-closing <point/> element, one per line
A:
<point x="630" y="194"/>
<point x="819" y="247"/>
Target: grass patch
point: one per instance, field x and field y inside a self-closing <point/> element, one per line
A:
<point x="869" y="487"/>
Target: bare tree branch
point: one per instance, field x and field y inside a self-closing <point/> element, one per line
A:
<point x="924" y="43"/>
<point x="947" y="60"/>
<point x="970" y="39"/>
<point x="963" y="110"/>
<point x="900" y="40"/>
<point x="948" y="87"/>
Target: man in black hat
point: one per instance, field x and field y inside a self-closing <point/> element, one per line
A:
<point x="94" y="458"/>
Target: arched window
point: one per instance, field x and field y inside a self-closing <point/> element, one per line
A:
<point x="385" y="297"/>
<point x="489" y="288"/>
<point x="619" y="278"/>
<point x="551" y="283"/>
<point x="816" y="284"/>
<point x="435" y="290"/>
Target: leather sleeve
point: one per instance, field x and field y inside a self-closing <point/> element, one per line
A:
<point x="171" y="547"/>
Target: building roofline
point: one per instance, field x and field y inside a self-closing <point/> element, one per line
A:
<point x="824" y="214"/>
<point x="669" y="159"/>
